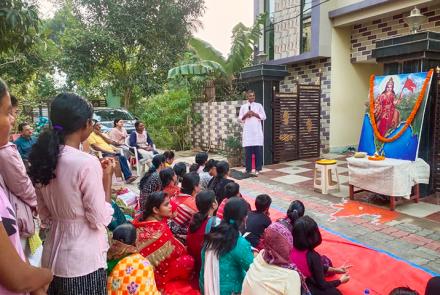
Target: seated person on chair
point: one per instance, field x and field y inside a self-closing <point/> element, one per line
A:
<point x="101" y="143"/>
<point x="25" y="142"/>
<point x="141" y="140"/>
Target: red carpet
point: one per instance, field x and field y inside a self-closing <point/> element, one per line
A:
<point x="370" y="269"/>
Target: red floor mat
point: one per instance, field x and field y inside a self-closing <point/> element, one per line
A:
<point x="371" y="269"/>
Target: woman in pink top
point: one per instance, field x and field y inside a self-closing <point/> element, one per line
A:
<point x="16" y="276"/>
<point x="118" y="132"/>
<point x="73" y="197"/>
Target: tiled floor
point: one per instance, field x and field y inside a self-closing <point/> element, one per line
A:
<point x="300" y="174"/>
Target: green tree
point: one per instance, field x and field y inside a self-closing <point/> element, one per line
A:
<point x="129" y="45"/>
<point x="168" y="116"/>
<point x="211" y="62"/>
<point x="18" y="24"/>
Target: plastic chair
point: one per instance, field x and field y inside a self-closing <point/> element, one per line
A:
<point x="135" y="160"/>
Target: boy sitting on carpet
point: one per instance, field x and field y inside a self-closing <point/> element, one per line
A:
<point x="258" y="220"/>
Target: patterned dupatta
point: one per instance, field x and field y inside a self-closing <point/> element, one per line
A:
<point x="156" y="242"/>
<point x="278" y="243"/>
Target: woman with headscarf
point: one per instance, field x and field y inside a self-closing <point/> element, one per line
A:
<point x="271" y="272"/>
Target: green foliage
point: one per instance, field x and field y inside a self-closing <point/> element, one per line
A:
<point x="203" y="64"/>
<point x="167" y="117"/>
<point x="126" y="45"/>
<point x="18" y="24"/>
<point x="240" y="55"/>
<point x="233" y="142"/>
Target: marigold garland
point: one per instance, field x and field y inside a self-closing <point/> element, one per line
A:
<point x="410" y="118"/>
<point x="376" y="158"/>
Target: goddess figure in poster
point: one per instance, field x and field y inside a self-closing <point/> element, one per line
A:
<point x="386" y="113"/>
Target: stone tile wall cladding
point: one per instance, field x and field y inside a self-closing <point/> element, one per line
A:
<point x="213" y="129"/>
<point x="308" y="73"/>
<point x="286" y="33"/>
<point x="364" y="36"/>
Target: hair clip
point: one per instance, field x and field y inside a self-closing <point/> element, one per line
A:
<point x="58" y="128"/>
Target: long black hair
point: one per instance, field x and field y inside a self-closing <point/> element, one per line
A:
<point x="115" y="122"/>
<point x="166" y="176"/>
<point x="306" y="234"/>
<point x="204" y="201"/>
<point x="156" y="162"/>
<point x="209" y="165"/>
<point x="3" y="89"/>
<point x="295" y="211"/>
<point x="180" y="170"/>
<point x="222" y="170"/>
<point x="125" y="233"/>
<point x="232" y="189"/>
<point x="189" y="182"/>
<point x="68" y="113"/>
<point x="223" y="238"/>
<point x="154" y="200"/>
<point x="201" y="159"/>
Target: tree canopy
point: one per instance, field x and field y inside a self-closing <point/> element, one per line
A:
<point x="129" y="45"/>
<point x="18" y="24"/>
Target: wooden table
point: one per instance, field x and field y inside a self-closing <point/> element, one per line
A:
<point x="397" y="179"/>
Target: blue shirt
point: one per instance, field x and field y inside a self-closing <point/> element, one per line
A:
<point x="24" y="146"/>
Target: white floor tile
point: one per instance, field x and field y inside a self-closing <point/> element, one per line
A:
<point x="293" y="170"/>
<point x="297" y="163"/>
<point x="291" y="179"/>
<point x="420" y="209"/>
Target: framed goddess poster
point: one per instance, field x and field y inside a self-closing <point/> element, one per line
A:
<point x="393" y="122"/>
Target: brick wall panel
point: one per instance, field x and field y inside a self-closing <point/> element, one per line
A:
<point x="365" y="35"/>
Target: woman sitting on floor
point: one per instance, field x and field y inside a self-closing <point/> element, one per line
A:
<point x="199" y="165"/>
<point x="186" y="205"/>
<point x="232" y="189"/>
<point x="226" y="256"/>
<point x="218" y="183"/>
<point x="306" y="237"/>
<point x="169" y="158"/>
<point x="180" y="170"/>
<point x="295" y="211"/>
<point x="272" y="272"/>
<point x="201" y="224"/>
<point x="128" y="270"/>
<point x="169" y="182"/>
<point x="208" y="173"/>
<point x="156" y="242"/>
<point x="150" y="182"/>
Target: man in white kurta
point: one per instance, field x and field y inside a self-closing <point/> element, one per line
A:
<point x="252" y="114"/>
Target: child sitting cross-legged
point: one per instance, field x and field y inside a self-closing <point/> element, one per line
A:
<point x="128" y="270"/>
<point x="258" y="220"/>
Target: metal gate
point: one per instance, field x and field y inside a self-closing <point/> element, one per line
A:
<point x="435" y="165"/>
<point x="296" y="123"/>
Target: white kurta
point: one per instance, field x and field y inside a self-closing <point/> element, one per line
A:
<point x="252" y="128"/>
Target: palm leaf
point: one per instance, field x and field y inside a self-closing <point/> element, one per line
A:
<point x="202" y="68"/>
<point x="205" y="51"/>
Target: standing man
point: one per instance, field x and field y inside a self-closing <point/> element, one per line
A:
<point x="251" y="114"/>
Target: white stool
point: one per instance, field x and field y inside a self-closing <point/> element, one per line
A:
<point x="326" y="176"/>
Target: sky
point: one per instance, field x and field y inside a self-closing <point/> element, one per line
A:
<point x="219" y="19"/>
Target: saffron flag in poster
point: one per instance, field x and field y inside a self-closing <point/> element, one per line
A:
<point x="393" y="122"/>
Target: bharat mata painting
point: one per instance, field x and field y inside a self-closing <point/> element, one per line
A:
<point x="394" y="99"/>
